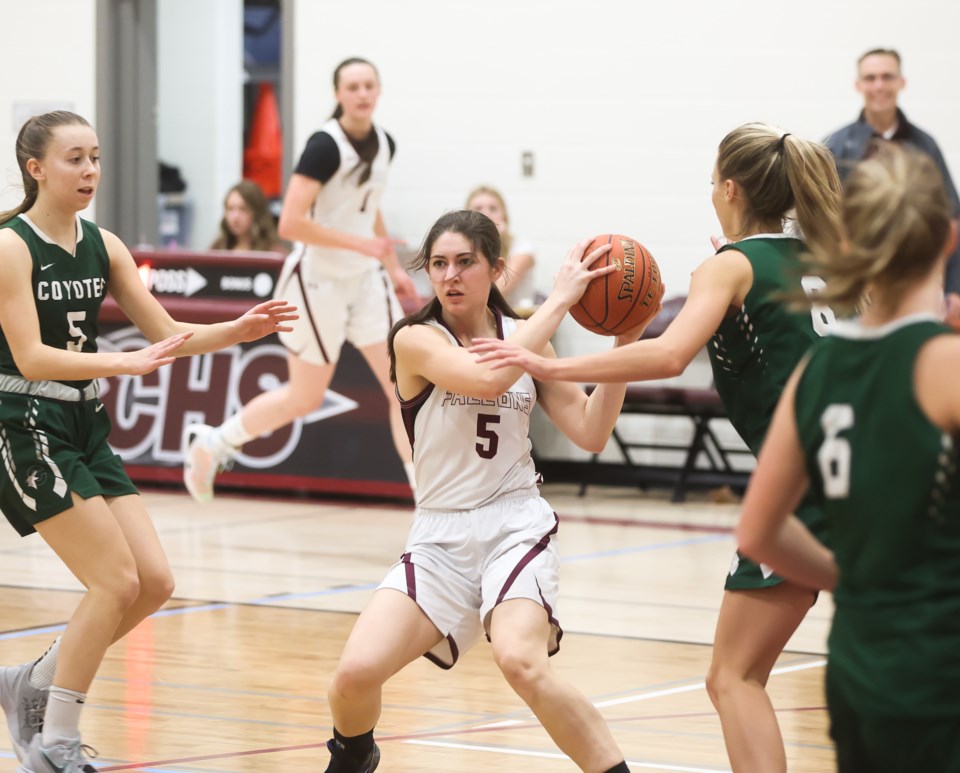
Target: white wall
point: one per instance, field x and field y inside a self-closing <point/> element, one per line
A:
<point x="622" y="103"/>
<point x="200" y="102"/>
<point x="48" y="63"/>
<point x="200" y="96"/>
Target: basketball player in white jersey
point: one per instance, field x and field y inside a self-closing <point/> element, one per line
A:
<point x="344" y="275"/>
<point x="481" y="557"/>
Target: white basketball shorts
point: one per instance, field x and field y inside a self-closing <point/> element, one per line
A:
<point x="457" y="566"/>
<point x="360" y="309"/>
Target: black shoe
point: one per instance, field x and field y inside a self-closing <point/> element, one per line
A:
<point x="341" y="762"/>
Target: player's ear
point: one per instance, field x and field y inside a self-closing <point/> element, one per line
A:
<point x="729" y="190"/>
<point x="951" y="244"/>
<point x="34" y="169"/>
<point x="499" y="267"/>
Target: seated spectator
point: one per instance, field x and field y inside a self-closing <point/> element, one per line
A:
<point x="247" y="223"/>
<point x="516" y="283"/>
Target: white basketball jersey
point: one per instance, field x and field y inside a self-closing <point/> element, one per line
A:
<point x="467" y="451"/>
<point x="345" y="205"/>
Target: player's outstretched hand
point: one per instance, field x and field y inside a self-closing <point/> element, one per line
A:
<point x="146" y="360"/>
<point x="503" y="354"/>
<point x="634" y="334"/>
<point x="263" y="319"/>
<point x="403" y="286"/>
<point x="718" y="242"/>
<point x="381" y="247"/>
<point x="576" y="273"/>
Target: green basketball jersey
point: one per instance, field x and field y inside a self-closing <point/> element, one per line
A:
<point x="753" y="353"/>
<point x="889" y="484"/>
<point x="68" y="289"/>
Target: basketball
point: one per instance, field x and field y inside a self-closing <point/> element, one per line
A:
<point x="622" y="299"/>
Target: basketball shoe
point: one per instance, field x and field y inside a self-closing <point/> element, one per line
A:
<point x="342" y="762"/>
<point x="66" y="756"/>
<point x="23" y="705"/>
<point x="205" y="454"/>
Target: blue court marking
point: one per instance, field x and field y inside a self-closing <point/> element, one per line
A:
<point x="32" y="632"/>
<point x="272" y="600"/>
<point x="215" y="607"/>
<point x="162" y="613"/>
<point x="648" y="548"/>
<point x="268" y="600"/>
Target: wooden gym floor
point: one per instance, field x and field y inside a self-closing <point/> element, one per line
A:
<point x="231" y="676"/>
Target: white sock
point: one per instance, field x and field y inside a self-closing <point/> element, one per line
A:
<point x="62" y="717"/>
<point x="233" y="432"/>
<point x="41" y="675"/>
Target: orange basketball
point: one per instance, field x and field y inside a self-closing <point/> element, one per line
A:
<point x="622" y="299"/>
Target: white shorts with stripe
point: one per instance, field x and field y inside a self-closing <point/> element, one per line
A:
<point x="360" y="309"/>
<point x="459" y="565"/>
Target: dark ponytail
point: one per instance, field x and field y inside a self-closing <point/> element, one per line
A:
<point x="484" y="235"/>
<point x="338" y="110"/>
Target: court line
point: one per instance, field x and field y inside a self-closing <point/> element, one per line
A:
<point x="272" y="600"/>
<point x="604" y="520"/>
<point x="275" y="600"/>
<point x="717" y="534"/>
<point x="489" y="721"/>
<point x="557" y="756"/>
<point x="403" y="737"/>
<point x="59" y="627"/>
<point x="699" y="686"/>
<point x="646" y="548"/>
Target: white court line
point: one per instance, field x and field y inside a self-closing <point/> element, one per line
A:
<point x="603" y="704"/>
<point x="505" y="723"/>
<point x="556" y="756"/>
<point x="645" y="696"/>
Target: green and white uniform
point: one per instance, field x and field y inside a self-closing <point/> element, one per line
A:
<point x="890" y="487"/>
<point x="53" y="434"/>
<point x="753" y="355"/>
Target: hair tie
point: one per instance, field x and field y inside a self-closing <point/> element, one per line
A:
<point x="783" y="141"/>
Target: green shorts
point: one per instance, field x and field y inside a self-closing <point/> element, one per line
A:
<point x="50" y="449"/>
<point x="745" y="574"/>
<point x="890" y="744"/>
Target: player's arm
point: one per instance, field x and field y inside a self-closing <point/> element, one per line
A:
<point x="587" y="420"/>
<point x="936" y="374"/>
<point x="420" y="360"/>
<point x="38" y="361"/>
<point x="402" y="283"/>
<point x="156" y="324"/>
<point x="425" y="356"/>
<point x="768" y="531"/>
<point x="720" y="283"/>
<point x="296" y="224"/>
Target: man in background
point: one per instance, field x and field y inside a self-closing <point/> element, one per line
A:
<point x="880" y="81"/>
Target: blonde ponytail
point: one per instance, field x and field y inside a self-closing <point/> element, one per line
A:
<point x="896" y="222"/>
